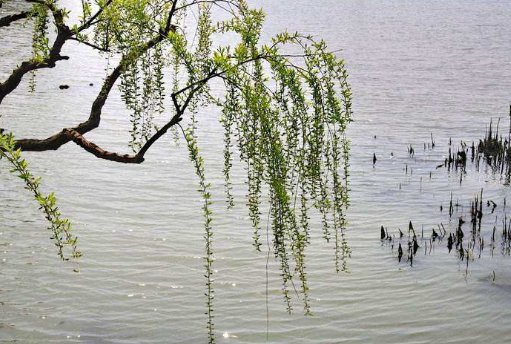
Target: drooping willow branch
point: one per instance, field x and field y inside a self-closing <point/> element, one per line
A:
<point x="60" y="227"/>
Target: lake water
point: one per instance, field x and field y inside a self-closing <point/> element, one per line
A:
<point x="416" y="67"/>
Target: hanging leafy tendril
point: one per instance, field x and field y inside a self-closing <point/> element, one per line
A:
<point x="204" y="188"/>
<point x="66" y="242"/>
<point x="40" y="48"/>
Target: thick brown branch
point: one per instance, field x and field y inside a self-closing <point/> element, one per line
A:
<point x="98" y="152"/>
<point x="175" y="120"/>
<point x="55" y="141"/>
<point x="63" y="34"/>
<point x="8" y="20"/>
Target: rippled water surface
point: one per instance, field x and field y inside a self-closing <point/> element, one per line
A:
<point x="416" y="67"/>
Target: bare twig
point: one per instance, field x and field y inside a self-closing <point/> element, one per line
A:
<point x="93" y="46"/>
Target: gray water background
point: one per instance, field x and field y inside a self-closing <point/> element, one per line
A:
<point x="416" y="67"/>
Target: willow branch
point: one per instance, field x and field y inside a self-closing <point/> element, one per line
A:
<point x="175" y="120"/>
<point x="213" y="2"/>
<point x="97" y="151"/>
<point x="213" y="74"/>
<point x="168" y="25"/>
<point x="76" y="134"/>
<point x="55" y="141"/>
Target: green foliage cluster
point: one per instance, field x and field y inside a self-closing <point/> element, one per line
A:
<point x="143" y="92"/>
<point x="290" y="133"/>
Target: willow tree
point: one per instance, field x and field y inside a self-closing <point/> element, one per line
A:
<point x="284" y="108"/>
